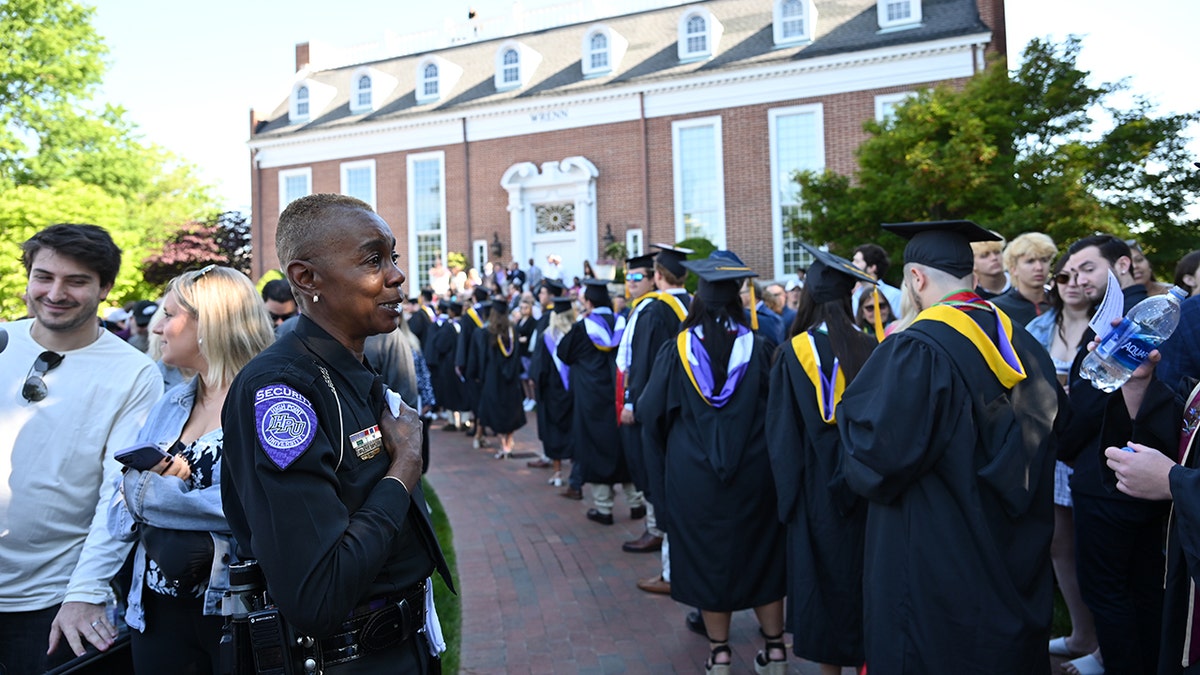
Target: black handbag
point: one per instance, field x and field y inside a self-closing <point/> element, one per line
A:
<point x="183" y="556"/>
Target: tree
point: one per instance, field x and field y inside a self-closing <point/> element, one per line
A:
<point x="1041" y="149"/>
<point x="224" y="240"/>
<point x="62" y="160"/>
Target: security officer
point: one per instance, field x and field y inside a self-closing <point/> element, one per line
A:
<point x="321" y="483"/>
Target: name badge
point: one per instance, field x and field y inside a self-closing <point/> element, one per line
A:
<point x="367" y="443"/>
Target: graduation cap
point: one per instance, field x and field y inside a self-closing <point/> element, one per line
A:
<point x="720" y="277"/>
<point x="554" y="286"/>
<point x="641" y="262"/>
<point x="454" y="306"/>
<point x="942" y="244"/>
<point x="672" y="258"/>
<point x="500" y="305"/>
<point x="563" y="305"/>
<point x="596" y="292"/>
<point x="831" y="277"/>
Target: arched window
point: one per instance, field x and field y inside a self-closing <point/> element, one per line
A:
<point x="362" y="92"/>
<point x="598" y="51"/>
<point x="898" y="14"/>
<point x="429" y="80"/>
<point x="302" y="102"/>
<point x="512" y="67"/>
<point x="697" y="35"/>
<point x="791" y="13"/>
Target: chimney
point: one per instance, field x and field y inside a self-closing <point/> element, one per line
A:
<point x="301" y="56"/>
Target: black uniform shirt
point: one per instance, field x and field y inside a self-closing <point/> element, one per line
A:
<point x="327" y="530"/>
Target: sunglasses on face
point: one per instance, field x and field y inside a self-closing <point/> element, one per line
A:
<point x="1064" y="278"/>
<point x="280" y="318"/>
<point x="635" y="276"/>
<point x="35" y="387"/>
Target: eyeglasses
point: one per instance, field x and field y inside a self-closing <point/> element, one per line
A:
<point x="279" y="318"/>
<point x="869" y="308"/>
<point x="635" y="276"/>
<point x="35" y="387"/>
<point x="1064" y="278"/>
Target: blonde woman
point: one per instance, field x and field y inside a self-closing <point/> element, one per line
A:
<point x="213" y="322"/>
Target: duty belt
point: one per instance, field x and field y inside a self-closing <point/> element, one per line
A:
<point x="377" y="625"/>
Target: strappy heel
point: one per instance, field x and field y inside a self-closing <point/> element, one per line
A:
<point x="763" y="663"/>
<point x="711" y="667"/>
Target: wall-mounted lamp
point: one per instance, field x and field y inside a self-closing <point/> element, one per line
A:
<point x="497" y="246"/>
<point x="608" y="236"/>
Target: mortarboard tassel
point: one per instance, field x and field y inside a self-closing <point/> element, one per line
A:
<point x="753" y="308"/>
<point x="879" y="334"/>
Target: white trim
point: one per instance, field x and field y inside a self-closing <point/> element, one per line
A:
<point x="886" y="25"/>
<point x="355" y="105"/>
<point x="719" y="237"/>
<point x="411" y="215"/>
<point x="319" y="97"/>
<point x="635" y="242"/>
<point x="777" y="177"/>
<point x="347" y="167"/>
<point x="808" y="17"/>
<point x="712" y="35"/>
<point x="479" y="253"/>
<point x="570" y="181"/>
<point x="884" y="103"/>
<point x="617" y="46"/>
<point x="448" y="74"/>
<point x="812" y="78"/>
<point x="292" y="173"/>
<point x="528" y="60"/>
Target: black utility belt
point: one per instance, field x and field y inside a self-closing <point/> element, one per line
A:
<point x="377" y="625"/>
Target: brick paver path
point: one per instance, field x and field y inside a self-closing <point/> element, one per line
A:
<point x="544" y="590"/>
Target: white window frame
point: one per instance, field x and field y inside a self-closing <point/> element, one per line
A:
<point x="617" y="45"/>
<point x="448" y="74"/>
<point x="347" y="167"/>
<point x="413" y="255"/>
<point x="424" y="80"/>
<point x="885" y="103"/>
<point x="777" y="177"/>
<point x="355" y="91"/>
<point x="719" y="159"/>
<point x="712" y="35"/>
<point x="808" y="17"/>
<point x="294" y="113"/>
<point x="479" y="250"/>
<point x="593" y="52"/>
<point x="284" y="175"/>
<point x="911" y="21"/>
<point x="528" y="60"/>
<point x="507" y="67"/>
<point x="635" y="242"/>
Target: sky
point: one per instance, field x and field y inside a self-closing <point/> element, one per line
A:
<point x="188" y="73"/>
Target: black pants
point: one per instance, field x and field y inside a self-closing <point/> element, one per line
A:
<point x="24" y="637"/>
<point x="179" y="639"/>
<point x="409" y="657"/>
<point x="1119" y="561"/>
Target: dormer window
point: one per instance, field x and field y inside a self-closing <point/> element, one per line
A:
<point x="602" y="51"/>
<point x="362" y="92"/>
<point x="699" y="34"/>
<point x="511" y="73"/>
<point x="429" y="81"/>
<point x="598" y="52"/>
<point x="302" y="102"/>
<point x="898" y="14"/>
<point x="794" y="21"/>
<point x="515" y="65"/>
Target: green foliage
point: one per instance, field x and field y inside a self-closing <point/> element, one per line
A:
<point x="224" y="239"/>
<point x="63" y="161"/>
<point x="449" y="605"/>
<point x="1040" y="149"/>
<point x="456" y="259"/>
<point x="701" y="248"/>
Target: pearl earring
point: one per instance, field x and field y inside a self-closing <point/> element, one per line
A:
<point x="315" y="298"/>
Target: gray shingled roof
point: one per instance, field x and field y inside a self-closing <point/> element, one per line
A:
<point x="842" y="26"/>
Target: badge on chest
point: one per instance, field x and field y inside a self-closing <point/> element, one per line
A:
<point x="367" y="443"/>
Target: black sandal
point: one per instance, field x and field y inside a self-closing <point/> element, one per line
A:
<point x="763" y="663"/>
<point x="711" y="667"/>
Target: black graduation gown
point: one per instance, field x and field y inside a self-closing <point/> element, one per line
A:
<point x="656" y="324"/>
<point x="462" y="358"/>
<point x="555" y="403"/>
<point x="597" y="443"/>
<point x="1183" y="569"/>
<point x="451" y="392"/>
<point x="825" y="520"/>
<point x="500" y="394"/>
<point x="957" y="574"/>
<point x="419" y="323"/>
<point x="727" y="544"/>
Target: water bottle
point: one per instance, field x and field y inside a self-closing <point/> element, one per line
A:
<point x="1126" y="346"/>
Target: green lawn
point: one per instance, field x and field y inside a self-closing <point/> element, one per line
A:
<point x="449" y="607"/>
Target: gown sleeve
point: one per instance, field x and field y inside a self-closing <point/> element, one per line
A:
<point x="785" y="434"/>
<point x="887" y="418"/>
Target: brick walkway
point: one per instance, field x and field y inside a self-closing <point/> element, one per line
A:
<point x="547" y="591"/>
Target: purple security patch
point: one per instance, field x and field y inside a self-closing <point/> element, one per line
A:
<point x="285" y="422"/>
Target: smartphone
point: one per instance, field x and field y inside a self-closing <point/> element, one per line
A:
<point x="142" y="457"/>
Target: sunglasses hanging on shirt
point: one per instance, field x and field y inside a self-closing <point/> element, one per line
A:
<point x="35" y="386"/>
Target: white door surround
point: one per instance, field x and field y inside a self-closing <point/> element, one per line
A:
<point x="553" y="212"/>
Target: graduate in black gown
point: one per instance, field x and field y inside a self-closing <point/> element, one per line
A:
<point x="472" y="319"/>
<point x="825" y="520"/>
<point x="449" y="388"/>
<point x="948" y="432"/>
<point x="552" y="378"/>
<point x="499" y="373"/>
<point x="701" y="412"/>
<point x="590" y="350"/>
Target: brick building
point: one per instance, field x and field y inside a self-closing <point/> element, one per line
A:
<point x="555" y="132"/>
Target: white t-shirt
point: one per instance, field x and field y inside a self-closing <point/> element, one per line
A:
<point x="57" y="472"/>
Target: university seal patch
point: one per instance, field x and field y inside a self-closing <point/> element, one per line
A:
<point x="285" y="422"/>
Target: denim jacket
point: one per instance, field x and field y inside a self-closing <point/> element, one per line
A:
<point x="166" y="501"/>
